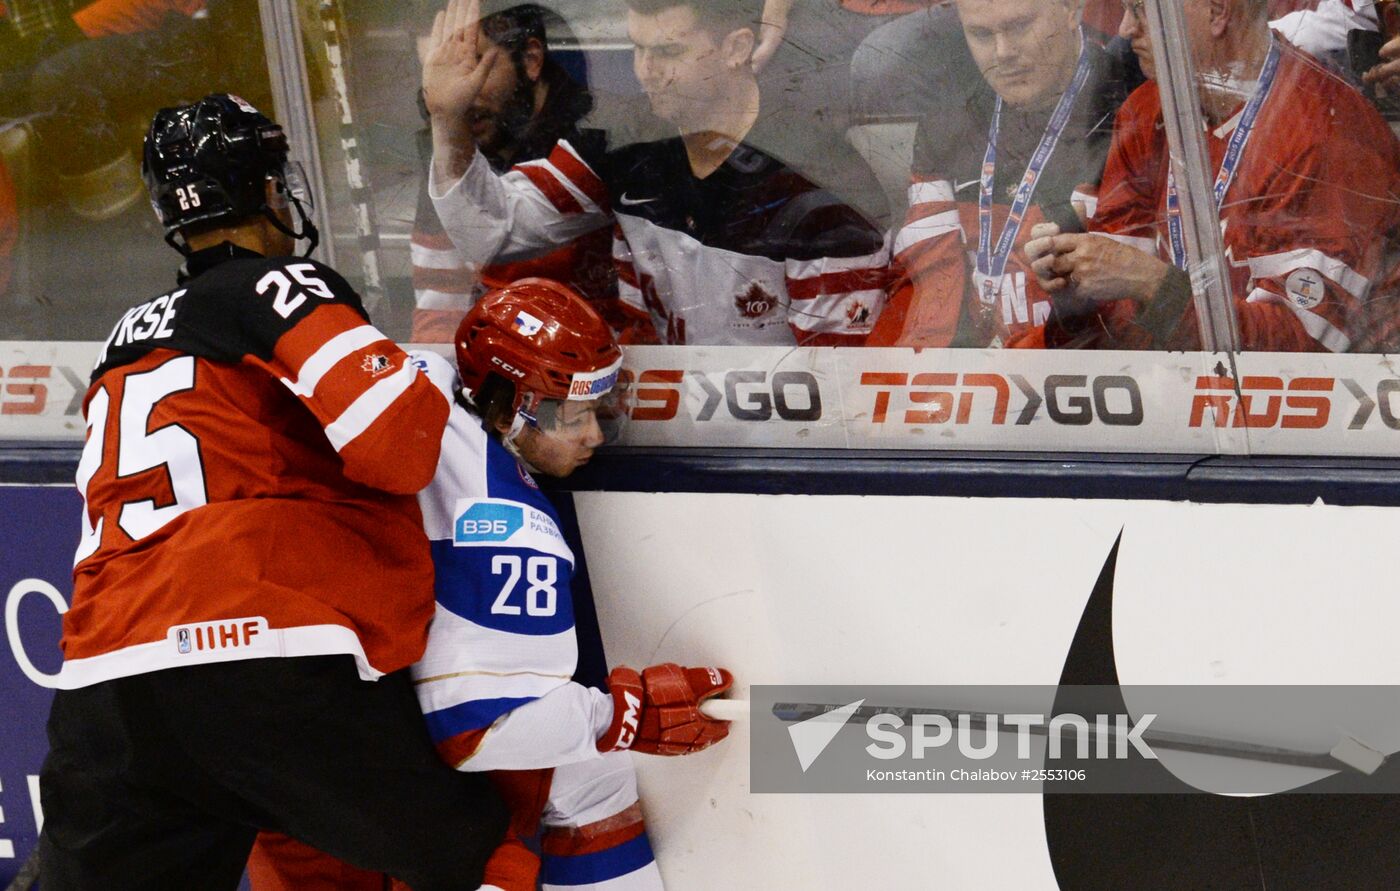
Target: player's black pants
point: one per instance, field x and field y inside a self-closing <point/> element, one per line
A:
<point x="162" y="780"/>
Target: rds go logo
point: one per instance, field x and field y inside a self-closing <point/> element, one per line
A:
<point x="487" y="522"/>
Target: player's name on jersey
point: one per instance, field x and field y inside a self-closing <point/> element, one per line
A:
<point x="152" y="320"/>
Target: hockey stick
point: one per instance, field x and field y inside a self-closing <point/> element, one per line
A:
<point x="28" y="873"/>
<point x="1349" y="753"/>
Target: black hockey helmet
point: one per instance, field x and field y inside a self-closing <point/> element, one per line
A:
<point x="209" y="162"/>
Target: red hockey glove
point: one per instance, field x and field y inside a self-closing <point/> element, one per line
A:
<point x="658" y="711"/>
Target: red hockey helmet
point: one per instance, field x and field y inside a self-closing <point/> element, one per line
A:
<point x="541" y="337"/>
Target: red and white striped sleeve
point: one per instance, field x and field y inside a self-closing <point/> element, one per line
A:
<point x="534" y="208"/>
<point x="834" y="301"/>
<point x="632" y="289"/>
<point x="444" y="286"/>
<point x="930" y="269"/>
<point x="383" y="418"/>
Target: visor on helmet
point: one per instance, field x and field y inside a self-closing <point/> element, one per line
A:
<point x="294" y="177"/>
<point x="604" y="394"/>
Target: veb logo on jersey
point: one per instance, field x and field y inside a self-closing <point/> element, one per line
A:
<point x="486" y="522"/>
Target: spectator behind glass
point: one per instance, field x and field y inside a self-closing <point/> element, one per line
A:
<point x="1029" y="59"/>
<point x="92" y="95"/>
<point x="9" y="229"/>
<point x="1309" y="208"/>
<point x="523" y="109"/>
<point x="720" y="238"/>
<point x="29" y="31"/>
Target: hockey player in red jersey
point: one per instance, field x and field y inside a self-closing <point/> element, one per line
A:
<point x="252" y="581"/>
<point x="536" y="367"/>
<point x="1308" y="191"/>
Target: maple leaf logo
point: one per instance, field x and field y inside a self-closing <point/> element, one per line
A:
<point x="755" y="302"/>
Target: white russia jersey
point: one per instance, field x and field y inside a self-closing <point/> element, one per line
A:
<point x="495" y="680"/>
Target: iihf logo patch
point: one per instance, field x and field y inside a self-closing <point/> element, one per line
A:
<point x="527" y="324"/>
<point x="182" y="640"/>
<point x="376" y="364"/>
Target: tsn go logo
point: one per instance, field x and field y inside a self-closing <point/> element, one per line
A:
<point x="1073" y="400"/>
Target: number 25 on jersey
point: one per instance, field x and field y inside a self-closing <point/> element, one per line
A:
<point x="171" y="448"/>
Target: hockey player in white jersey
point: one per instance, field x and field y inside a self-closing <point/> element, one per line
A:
<point x="536" y="366"/>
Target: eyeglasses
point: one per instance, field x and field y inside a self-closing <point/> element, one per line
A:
<point x="1134" y="7"/>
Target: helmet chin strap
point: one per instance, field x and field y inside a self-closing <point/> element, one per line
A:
<point x="524" y="417"/>
<point x="308" y="228"/>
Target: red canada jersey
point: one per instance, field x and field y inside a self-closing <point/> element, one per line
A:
<point x="253" y="449"/>
<point x="1314" y="203"/>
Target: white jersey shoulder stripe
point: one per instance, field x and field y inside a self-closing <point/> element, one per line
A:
<point x="929" y="192"/>
<point x="364" y="411"/>
<point x="1278" y="265"/>
<point x="435" y="258"/>
<point x="563" y="179"/>
<point x="427" y="298"/>
<point x="802" y="269"/>
<point x="934" y="226"/>
<point x="331" y="352"/>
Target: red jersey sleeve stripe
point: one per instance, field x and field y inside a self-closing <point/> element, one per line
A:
<point x="563" y="201"/>
<point x="436" y="241"/>
<point x="365" y="410"/>
<point x="312" y="333"/>
<point x="628" y="273"/>
<point x="579" y="173"/>
<point x="837" y="283"/>
<point x="316" y="366"/>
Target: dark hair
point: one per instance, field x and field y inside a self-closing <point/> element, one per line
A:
<point x="494" y="404"/>
<point x="717" y="15"/>
<point x="513" y="27"/>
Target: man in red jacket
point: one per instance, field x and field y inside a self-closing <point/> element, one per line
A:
<point x="1307" y="183"/>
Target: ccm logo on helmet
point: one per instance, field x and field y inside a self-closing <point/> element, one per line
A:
<point x="507" y="367"/>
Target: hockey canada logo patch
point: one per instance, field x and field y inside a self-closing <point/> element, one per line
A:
<point x="376" y="364"/>
<point x="755" y="303"/>
<point x="858" y="315"/>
